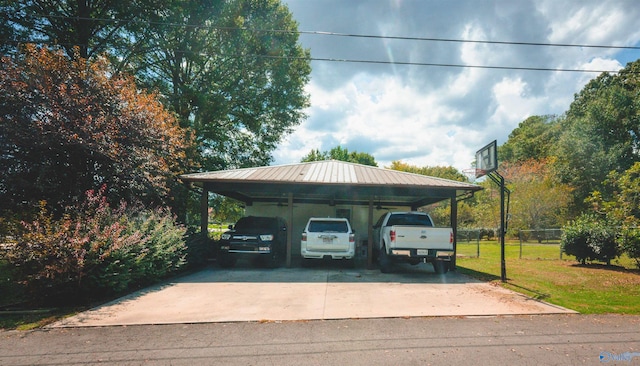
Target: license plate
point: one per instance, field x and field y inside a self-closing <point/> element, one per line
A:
<point x="422" y="252"/>
<point x="327" y="240"/>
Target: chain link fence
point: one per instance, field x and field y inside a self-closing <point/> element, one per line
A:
<point x="540" y="244"/>
<point x="529" y="244"/>
<point x="468" y="241"/>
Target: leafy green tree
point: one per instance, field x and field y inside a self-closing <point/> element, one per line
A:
<point x="232" y="70"/>
<point x="315" y="155"/>
<point x="623" y="206"/>
<point x="601" y="132"/>
<point x="624" y="202"/>
<point x="234" y="73"/>
<point x="7" y="32"/>
<point x="362" y="158"/>
<point x="69" y="126"/>
<point x="486" y="206"/>
<point x="533" y="139"/>
<point x="441" y="212"/>
<point x="341" y="154"/>
<point x="225" y="209"/>
<point x="92" y="27"/>
<point x="537" y="201"/>
<point x="446" y="172"/>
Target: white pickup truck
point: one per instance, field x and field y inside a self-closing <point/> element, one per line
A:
<point x="412" y="237"/>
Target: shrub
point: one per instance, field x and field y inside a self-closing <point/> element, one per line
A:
<point x="164" y="249"/>
<point x="200" y="248"/>
<point x="590" y="238"/>
<point x="489" y="233"/>
<point x="95" y="250"/>
<point x="630" y="243"/>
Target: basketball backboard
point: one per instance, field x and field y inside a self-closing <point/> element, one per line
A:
<point x="487" y="159"/>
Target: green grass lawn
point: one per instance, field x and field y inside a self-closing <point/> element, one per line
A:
<point x="588" y="289"/>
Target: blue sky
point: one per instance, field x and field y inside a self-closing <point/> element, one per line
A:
<point x="440" y="116"/>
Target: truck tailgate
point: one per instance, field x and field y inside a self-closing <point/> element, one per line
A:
<point x="412" y="237"/>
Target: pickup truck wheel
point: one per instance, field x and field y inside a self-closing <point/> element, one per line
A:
<point x="440" y="266"/>
<point x="383" y="261"/>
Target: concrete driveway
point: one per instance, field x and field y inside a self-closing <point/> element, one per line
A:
<point x="322" y="292"/>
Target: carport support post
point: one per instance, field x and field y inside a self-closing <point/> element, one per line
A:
<point x="204" y="212"/>
<point x="370" y="236"/>
<point x="454" y="227"/>
<point x="289" y="229"/>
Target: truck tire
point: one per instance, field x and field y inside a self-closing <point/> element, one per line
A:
<point x="440" y="266"/>
<point x="383" y="260"/>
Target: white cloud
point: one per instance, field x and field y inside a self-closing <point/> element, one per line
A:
<point x="430" y="116"/>
<point x="514" y="103"/>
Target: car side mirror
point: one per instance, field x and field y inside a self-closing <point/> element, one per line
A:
<point x="230" y="227"/>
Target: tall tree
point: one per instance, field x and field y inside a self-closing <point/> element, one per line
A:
<point x="601" y="132"/>
<point x="233" y="72"/>
<point x="624" y="205"/>
<point x="534" y="139"/>
<point x="69" y="126"/>
<point x="83" y="28"/>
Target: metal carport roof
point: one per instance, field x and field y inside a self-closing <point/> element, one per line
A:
<point x="330" y="182"/>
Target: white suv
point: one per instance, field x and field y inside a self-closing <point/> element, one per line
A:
<point x="328" y="238"/>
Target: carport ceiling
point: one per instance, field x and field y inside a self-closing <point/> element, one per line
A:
<point x="330" y="182"/>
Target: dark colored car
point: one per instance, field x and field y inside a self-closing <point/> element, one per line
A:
<point x="261" y="239"/>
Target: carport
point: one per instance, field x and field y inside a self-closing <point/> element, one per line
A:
<point x="329" y="184"/>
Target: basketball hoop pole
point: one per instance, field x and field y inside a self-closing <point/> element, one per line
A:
<point x="487" y="164"/>
<point x="499" y="180"/>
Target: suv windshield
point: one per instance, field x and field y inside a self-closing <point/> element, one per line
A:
<point x="409" y="220"/>
<point x="256" y="223"/>
<point x="328" y="226"/>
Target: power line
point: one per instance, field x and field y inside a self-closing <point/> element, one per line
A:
<point x="452" y="65"/>
<point x="353" y="35"/>
<point x="453" y="40"/>
<point x="378" y="62"/>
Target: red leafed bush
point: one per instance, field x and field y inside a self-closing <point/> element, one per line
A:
<point x="95" y="250"/>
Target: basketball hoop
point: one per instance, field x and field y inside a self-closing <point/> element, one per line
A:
<point x="487" y="159"/>
<point x="474" y="173"/>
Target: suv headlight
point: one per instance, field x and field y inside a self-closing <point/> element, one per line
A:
<point x="266" y="237"/>
<point x="225" y="236"/>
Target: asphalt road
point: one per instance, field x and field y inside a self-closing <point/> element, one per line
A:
<point x="503" y="340"/>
